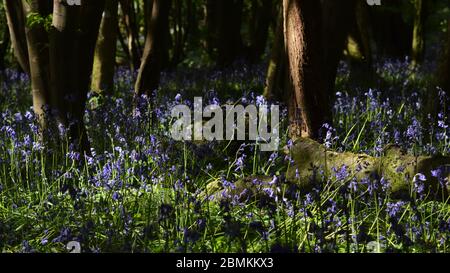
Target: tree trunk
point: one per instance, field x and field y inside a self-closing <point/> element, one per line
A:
<point x="4" y="45"/>
<point x="444" y="70"/>
<point x="16" y="25"/>
<point x="150" y="70"/>
<point x="74" y="33"/>
<point x="147" y="13"/>
<point x="309" y="107"/>
<point x="38" y="52"/>
<point x="124" y="46"/>
<point x="224" y="34"/>
<point x="129" y="19"/>
<point x="179" y="33"/>
<point x="339" y="17"/>
<point x="392" y="34"/>
<point x="105" y="52"/>
<point x="259" y="28"/>
<point x="418" y="35"/>
<point x="435" y="103"/>
<point x="359" y="49"/>
<point x="276" y="70"/>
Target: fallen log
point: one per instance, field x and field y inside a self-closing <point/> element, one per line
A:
<point x="394" y="165"/>
<point x="397" y="168"/>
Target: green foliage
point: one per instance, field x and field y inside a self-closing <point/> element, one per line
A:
<point x="35" y="19"/>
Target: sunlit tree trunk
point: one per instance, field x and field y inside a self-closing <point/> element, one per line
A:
<point x="38" y="52"/>
<point x="105" y="52"/>
<point x="150" y="69"/>
<point x="309" y="107"/>
<point x="16" y="25"/>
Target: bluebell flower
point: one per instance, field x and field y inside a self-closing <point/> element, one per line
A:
<point x="270" y="192"/>
<point x="342" y="173"/>
<point x="353" y="185"/>
<point x="414" y="131"/>
<point x="394" y="209"/>
<point x="260" y="100"/>
<point x="240" y="163"/>
<point x="419" y="186"/>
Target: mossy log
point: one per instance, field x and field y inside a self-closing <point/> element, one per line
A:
<point x="394" y="165"/>
<point x="309" y="157"/>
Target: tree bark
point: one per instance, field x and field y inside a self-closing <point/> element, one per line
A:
<point x="359" y="49"/>
<point x="444" y="70"/>
<point x="339" y="18"/>
<point x="179" y="34"/>
<point x="276" y="70"/>
<point x="309" y="107"/>
<point x="150" y="70"/>
<point x="74" y="33"/>
<point x="4" y="45"/>
<point x="105" y="52"/>
<point x="129" y="19"/>
<point x="392" y="34"/>
<point x="259" y="28"/>
<point x="16" y="24"/>
<point x="38" y="52"/>
<point x="418" y="35"/>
